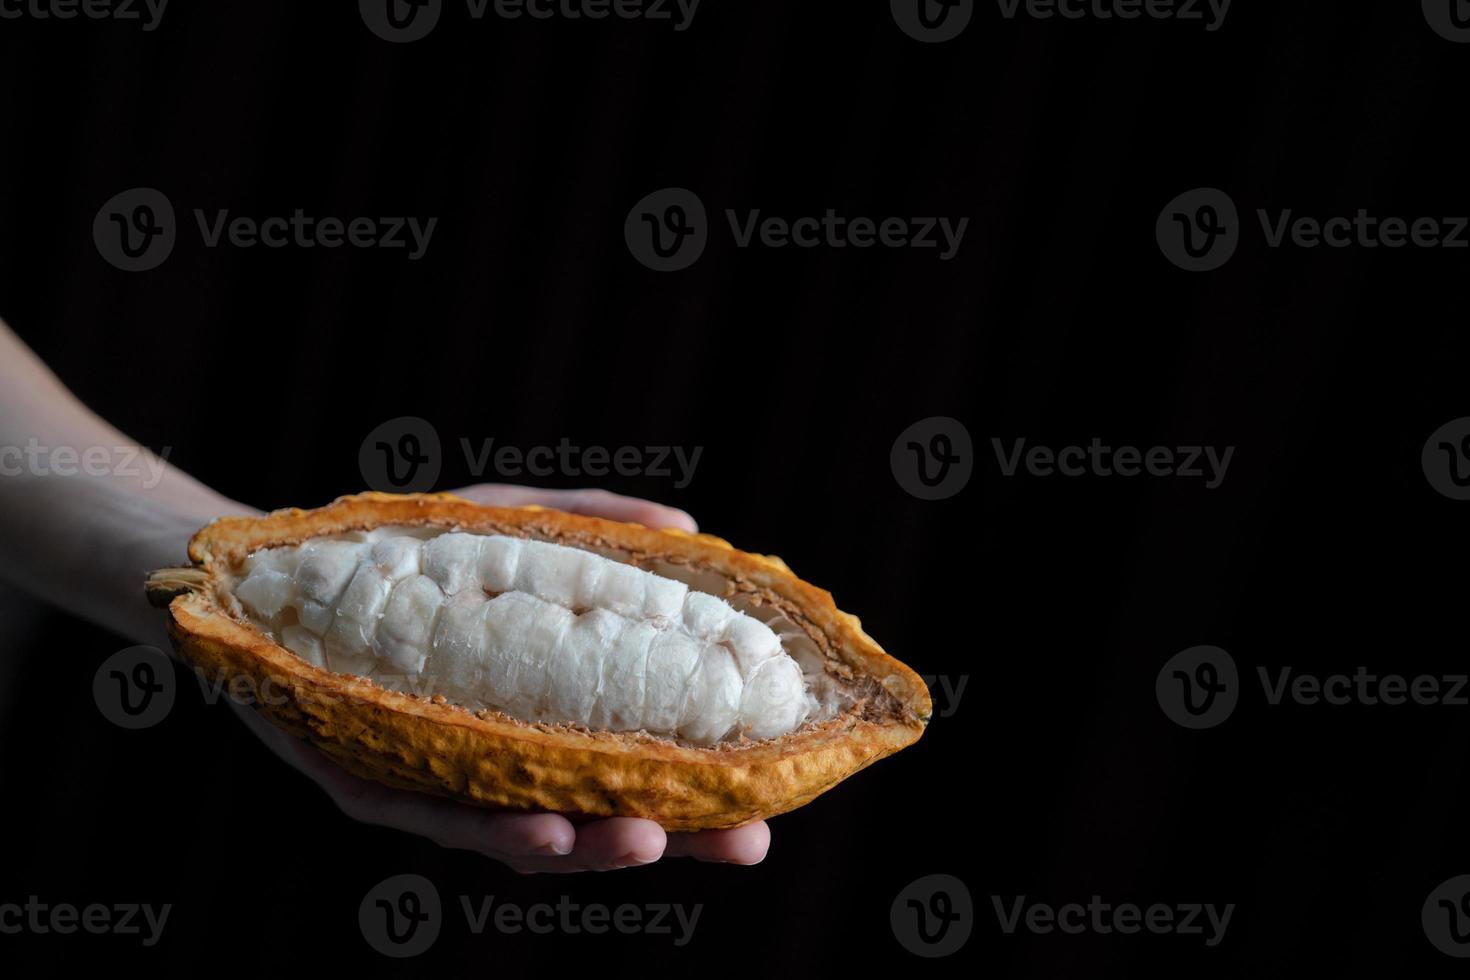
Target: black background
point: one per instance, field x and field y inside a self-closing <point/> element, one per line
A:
<point x="1056" y="776"/>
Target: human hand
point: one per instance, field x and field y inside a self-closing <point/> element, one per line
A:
<point x="525" y="842"/>
<point x="85" y="543"/>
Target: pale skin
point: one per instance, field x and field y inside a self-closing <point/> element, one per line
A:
<point x="85" y="541"/>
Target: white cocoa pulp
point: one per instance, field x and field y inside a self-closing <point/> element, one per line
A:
<point x="540" y="631"/>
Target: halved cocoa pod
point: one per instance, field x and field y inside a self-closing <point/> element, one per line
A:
<point x="531" y="659"/>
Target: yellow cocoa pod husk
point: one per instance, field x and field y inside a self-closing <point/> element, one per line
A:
<point x="490" y="759"/>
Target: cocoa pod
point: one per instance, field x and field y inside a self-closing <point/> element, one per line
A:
<point x="529" y="659"/>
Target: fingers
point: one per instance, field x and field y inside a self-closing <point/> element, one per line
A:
<point x="592" y="502"/>
<point x="600" y="845"/>
<point x="742" y="845"/>
<point x="525" y="842"/>
<point x="602" y="503"/>
<point x="619" y="842"/>
<point x="532" y="843"/>
<point x="510" y="838"/>
<point x="504" y="837"/>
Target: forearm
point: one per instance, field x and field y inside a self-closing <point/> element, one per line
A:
<point x="83" y="534"/>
